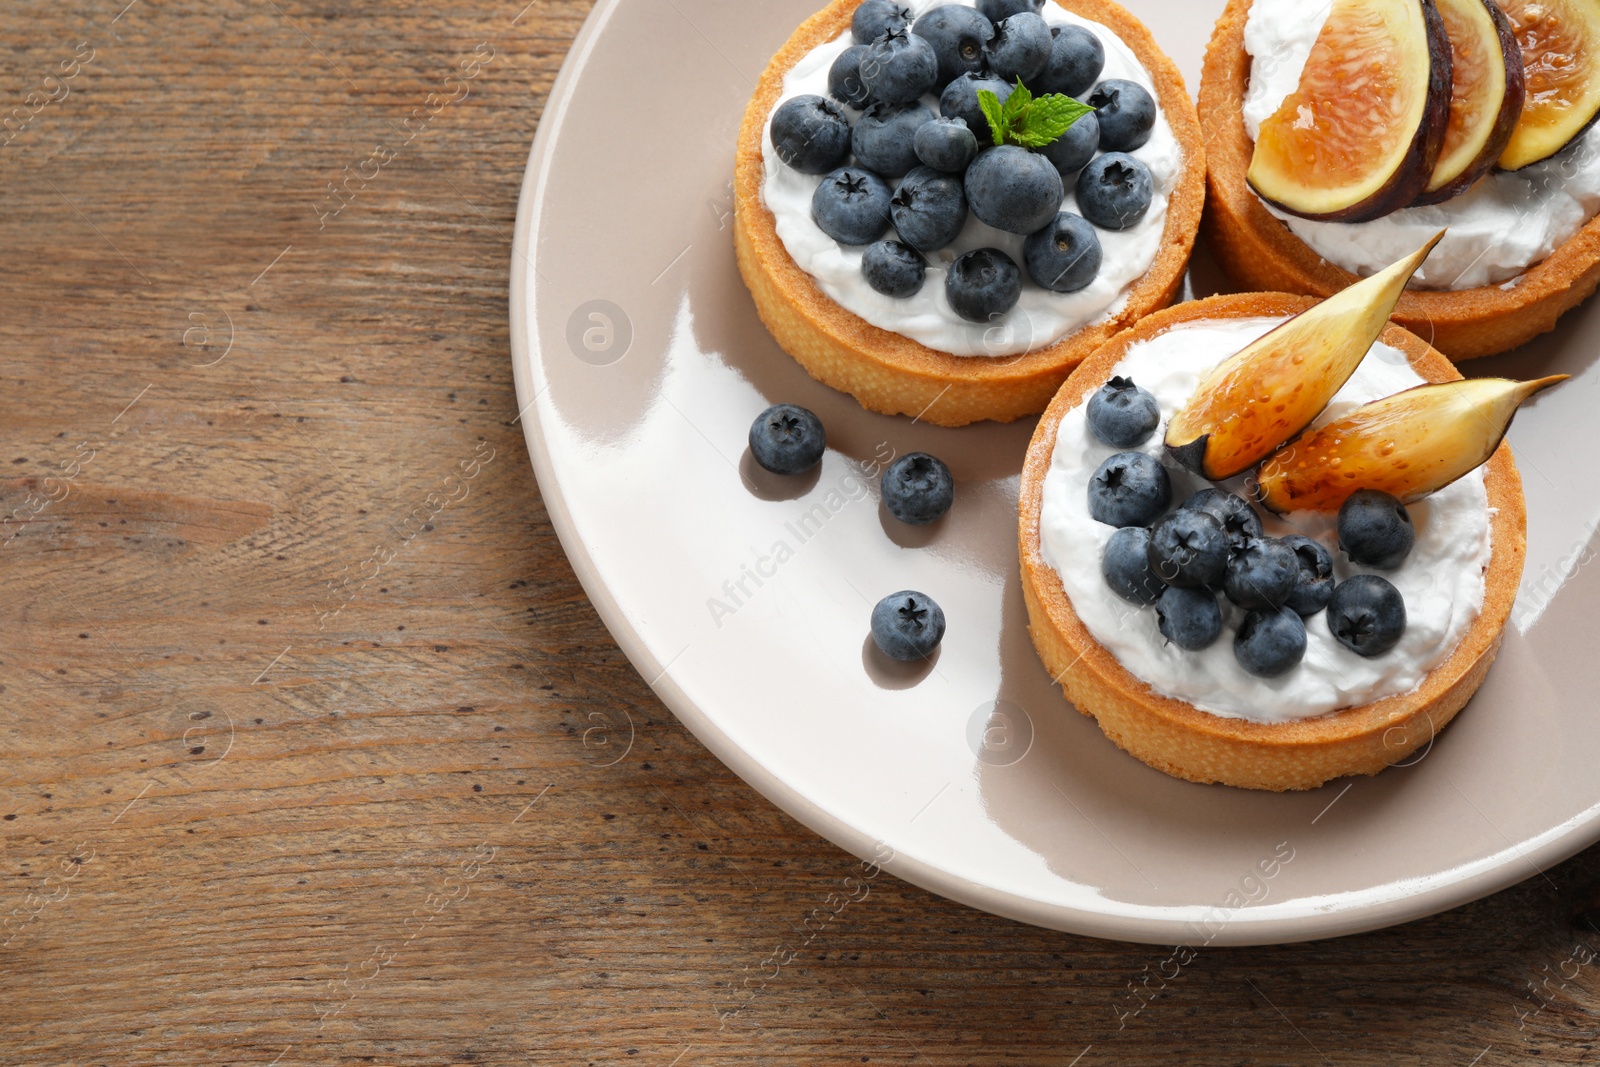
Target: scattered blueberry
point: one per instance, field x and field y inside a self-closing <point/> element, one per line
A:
<point x="786" y="439"/>
<point x="1126" y="566"/>
<point x="946" y="144"/>
<point x="1314" y="584"/>
<point x="851" y="206"/>
<point x="1131" y="489"/>
<point x="917" y="488"/>
<point x="1114" y="191"/>
<point x="957" y="34"/>
<point x="1064" y="256"/>
<point x="1076" y="59"/>
<point x="995" y="10"/>
<point x="1072" y="151"/>
<point x="983" y="285"/>
<point x="844" y="78"/>
<point x="1270" y="643"/>
<point x="899" y="67"/>
<point x="1238" y="518"/>
<point x="1375" y="529"/>
<point x="1013" y="189"/>
<point x="1188" y="548"/>
<point x="811" y="134"/>
<point x="874" y="18"/>
<point x="1127" y="114"/>
<point x="960" y="98"/>
<point x="1262" y="574"/>
<point x="885" y="137"/>
<point x="1367" y="615"/>
<point x="1189" y="618"/>
<point x="1020" y="47"/>
<point x="907" y="625"/>
<point x="893" y="269"/>
<point x="1122" y="415"/>
<point x="929" y="209"/>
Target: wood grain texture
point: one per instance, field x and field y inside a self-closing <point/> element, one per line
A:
<point x="312" y="750"/>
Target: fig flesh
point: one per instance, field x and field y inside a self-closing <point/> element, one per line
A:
<point x="1486" y="93"/>
<point x="1360" y="135"/>
<point x="1272" y="389"/>
<point x="1560" y="43"/>
<point x="1408" y="445"/>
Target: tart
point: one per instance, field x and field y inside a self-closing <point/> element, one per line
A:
<point x="1470" y="310"/>
<point x="1226" y="745"/>
<point x="891" y="371"/>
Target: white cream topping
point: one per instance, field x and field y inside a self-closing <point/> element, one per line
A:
<point x="1506" y="223"/>
<point x="1442" y="580"/>
<point x="1041" y="317"/>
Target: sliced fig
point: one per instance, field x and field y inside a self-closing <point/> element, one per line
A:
<point x="1361" y="133"/>
<point x="1486" y="91"/>
<point x="1560" y="42"/>
<point x="1275" y="387"/>
<point x="1408" y="445"/>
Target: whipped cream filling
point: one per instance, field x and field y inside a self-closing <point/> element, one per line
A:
<point x="1041" y="317"/>
<point x="1505" y="224"/>
<point x="1442" y="580"/>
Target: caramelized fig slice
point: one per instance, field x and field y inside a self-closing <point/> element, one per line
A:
<point x="1408" y="445"/>
<point x="1560" y="41"/>
<point x="1360" y="135"/>
<point x="1486" y="91"/>
<point x="1275" y="387"/>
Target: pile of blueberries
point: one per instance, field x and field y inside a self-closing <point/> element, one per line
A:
<point x="947" y="164"/>
<point x="1179" y="560"/>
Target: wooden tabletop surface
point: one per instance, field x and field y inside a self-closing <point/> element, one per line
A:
<point x="312" y="750"/>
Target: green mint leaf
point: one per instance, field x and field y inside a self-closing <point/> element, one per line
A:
<point x="990" y="103"/>
<point x="1017" y="103"/>
<point x="1046" y="119"/>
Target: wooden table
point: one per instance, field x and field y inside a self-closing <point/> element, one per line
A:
<point x="313" y="749"/>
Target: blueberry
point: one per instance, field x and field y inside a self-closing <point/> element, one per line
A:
<point x="1064" y="256"/>
<point x="907" y="626"/>
<point x="957" y="35"/>
<point x="929" y="209"/>
<point x="844" y="78"/>
<point x="1013" y="189"/>
<point x="1072" y="151"/>
<point x="1262" y="574"/>
<point x="1314" y="584"/>
<point x="995" y="10"/>
<point x="1130" y="489"/>
<point x="1367" y="615"/>
<point x="885" y="138"/>
<point x="1020" y="47"/>
<point x="893" y="269"/>
<point x="1127" y="114"/>
<point x="917" y="488"/>
<point x="1121" y="414"/>
<point x="1126" y="566"/>
<point x="946" y="144"/>
<point x="1189" y="549"/>
<point x="1270" y="643"/>
<point x="811" y="134"/>
<point x="1375" y="529"/>
<point x="983" y="285"/>
<point x="851" y="206"/>
<point x="1238" y="518"/>
<point x="960" y="99"/>
<point x="874" y="18"/>
<point x="1114" y="191"/>
<point x="1076" y="59"/>
<point x="786" y="439"/>
<point x="1189" y="618"/>
<point x="899" y="67"/>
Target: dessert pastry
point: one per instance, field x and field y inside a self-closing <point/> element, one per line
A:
<point x="942" y="207"/>
<point x="1340" y="133"/>
<point x="1333" y="627"/>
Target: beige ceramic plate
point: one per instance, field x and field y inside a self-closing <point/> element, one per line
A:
<point x="744" y="601"/>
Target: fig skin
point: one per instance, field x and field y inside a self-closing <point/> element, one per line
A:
<point x="1505" y="122"/>
<point x="1411" y="176"/>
